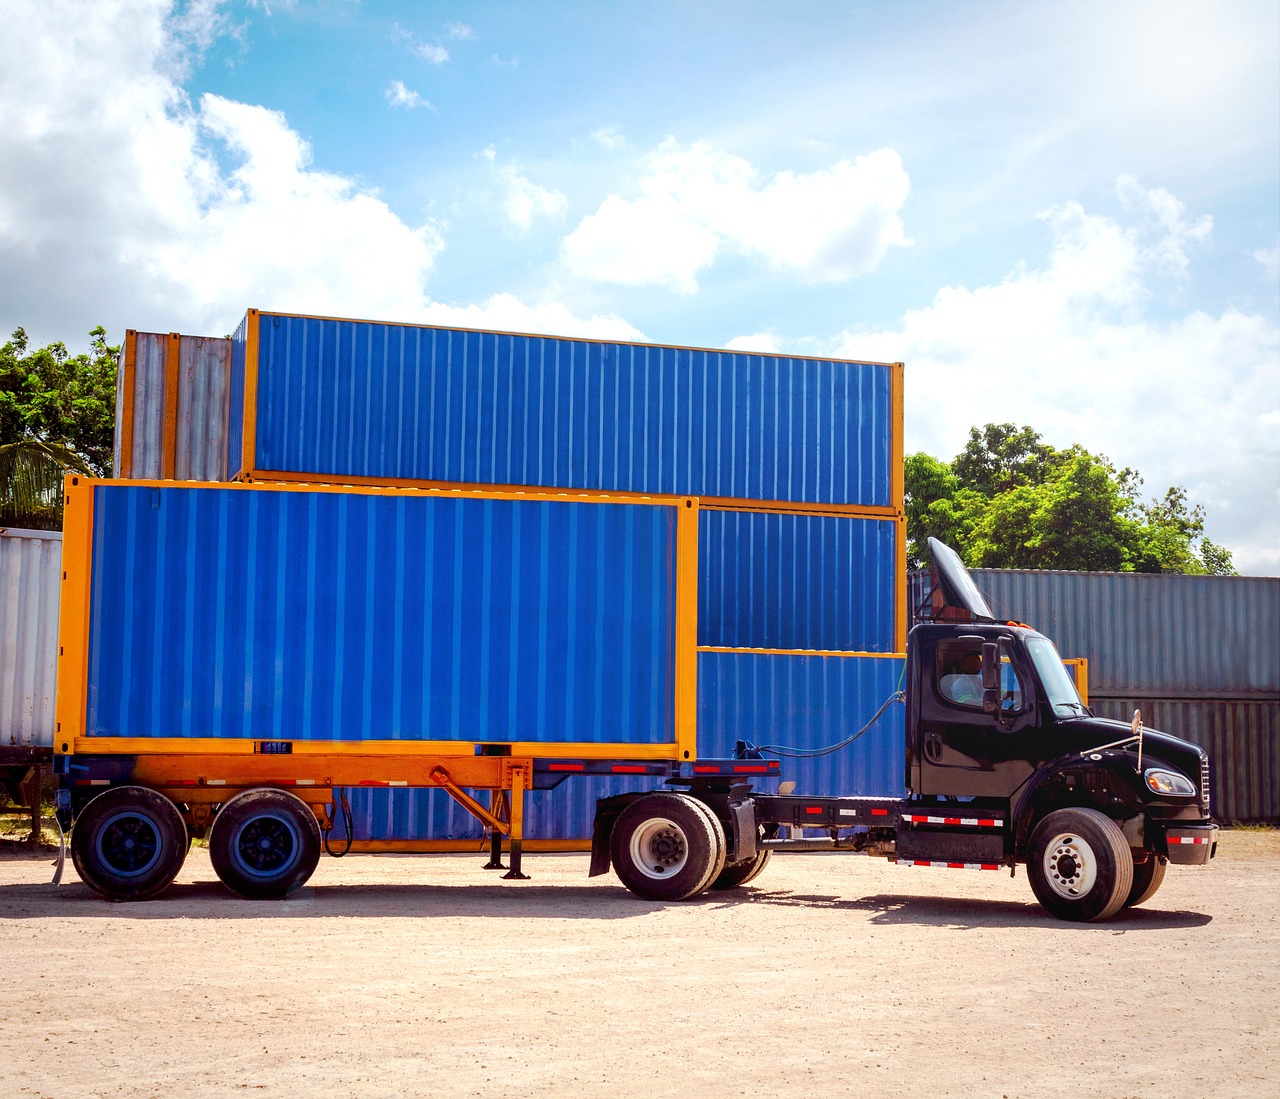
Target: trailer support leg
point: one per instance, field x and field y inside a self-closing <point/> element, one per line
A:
<point x="497" y="805"/>
<point x="518" y="784"/>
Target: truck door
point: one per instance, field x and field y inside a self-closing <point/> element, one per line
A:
<point x="965" y="752"/>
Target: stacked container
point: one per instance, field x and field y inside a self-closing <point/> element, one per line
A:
<point x="796" y="464"/>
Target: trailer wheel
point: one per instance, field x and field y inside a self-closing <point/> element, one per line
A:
<point x="1079" y="865"/>
<point x="663" y="847"/>
<point x="739" y="873"/>
<point x="128" y="843"/>
<point x="1147" y="878"/>
<point x="264" y="844"/>
<point x="721" y="851"/>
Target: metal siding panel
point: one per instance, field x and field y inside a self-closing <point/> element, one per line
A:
<point x="806" y="702"/>
<point x="1166" y="635"/>
<point x="513" y="409"/>
<point x="148" y="397"/>
<point x="30" y="584"/>
<point x="779" y="581"/>
<point x="261" y="613"/>
<point x="205" y="365"/>
<point x="1243" y="742"/>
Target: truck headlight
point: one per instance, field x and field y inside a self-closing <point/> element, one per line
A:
<point x="1161" y="781"/>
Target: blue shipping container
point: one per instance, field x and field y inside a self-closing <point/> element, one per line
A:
<point x="314" y="398"/>
<point x="305" y="614"/>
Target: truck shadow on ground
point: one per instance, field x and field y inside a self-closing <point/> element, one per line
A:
<point x="963" y="913"/>
<point x="212" y="900"/>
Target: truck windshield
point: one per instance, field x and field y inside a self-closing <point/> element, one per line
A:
<point x="1058" y="686"/>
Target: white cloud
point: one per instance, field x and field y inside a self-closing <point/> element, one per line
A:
<point x="1070" y="348"/>
<point x="398" y="95"/>
<point x="507" y="313"/>
<point x="1270" y="260"/>
<point x="763" y="343"/>
<point x="123" y="203"/>
<point x="524" y="200"/>
<point x="459" y="31"/>
<point x="432" y="53"/>
<point x="697" y="203"/>
<point x="609" y="137"/>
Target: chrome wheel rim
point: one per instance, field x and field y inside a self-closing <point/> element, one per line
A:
<point x="659" y="848"/>
<point x="1070" y="866"/>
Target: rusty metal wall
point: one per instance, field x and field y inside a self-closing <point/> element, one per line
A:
<point x="30" y="577"/>
<point x="195" y="446"/>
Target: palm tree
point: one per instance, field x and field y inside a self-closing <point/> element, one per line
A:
<point x="31" y="473"/>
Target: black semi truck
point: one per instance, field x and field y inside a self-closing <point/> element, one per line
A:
<point x="1004" y="764"/>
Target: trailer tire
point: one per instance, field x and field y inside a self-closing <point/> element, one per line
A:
<point x="1147" y="878"/>
<point x="1080" y="865"/>
<point x="739" y="873"/>
<point x="663" y="847"/>
<point x="264" y="844"/>
<point x="128" y="843"/>
<point x="721" y="842"/>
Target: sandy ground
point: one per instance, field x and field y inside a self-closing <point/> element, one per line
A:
<point x="421" y="975"/>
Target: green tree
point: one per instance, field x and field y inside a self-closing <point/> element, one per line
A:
<point x="57" y="414"/>
<point x="1009" y="500"/>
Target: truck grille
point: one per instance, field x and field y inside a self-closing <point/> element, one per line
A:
<point x="1204" y="782"/>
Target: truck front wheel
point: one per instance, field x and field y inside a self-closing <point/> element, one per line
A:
<point x="264" y="844"/>
<point x="128" y="843"/>
<point x="1079" y="865"/>
<point x="664" y="847"/>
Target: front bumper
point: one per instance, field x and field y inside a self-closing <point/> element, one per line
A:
<point x="1189" y="843"/>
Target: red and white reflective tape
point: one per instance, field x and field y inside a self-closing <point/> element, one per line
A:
<point x="973" y="822"/>
<point x="951" y="865"/>
<point x="1188" y="839"/>
<point x="389" y="782"/>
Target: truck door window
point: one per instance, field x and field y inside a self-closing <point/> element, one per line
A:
<point x="958" y="674"/>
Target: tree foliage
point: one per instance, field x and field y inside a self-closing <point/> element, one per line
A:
<point x="57" y="414"/>
<point x="1009" y="500"/>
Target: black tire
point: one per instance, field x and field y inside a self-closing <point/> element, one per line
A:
<point x="1147" y="878"/>
<point x="721" y="843"/>
<point x="128" y="843"/>
<point x="1080" y="865"/>
<point x="739" y="873"/>
<point x="663" y="847"/>
<point x="264" y="844"/>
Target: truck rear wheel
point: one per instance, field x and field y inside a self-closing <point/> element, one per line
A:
<point x="739" y="873"/>
<point x="664" y="847"/>
<point x="1080" y="865"/>
<point x="1147" y="877"/>
<point x="264" y="844"/>
<point x="128" y="843"/>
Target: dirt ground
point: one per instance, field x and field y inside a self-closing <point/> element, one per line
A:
<point x="425" y="975"/>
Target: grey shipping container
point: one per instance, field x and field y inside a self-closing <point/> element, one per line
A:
<point x="1199" y="655"/>
<point x="30" y="579"/>
<point x="171" y="407"/>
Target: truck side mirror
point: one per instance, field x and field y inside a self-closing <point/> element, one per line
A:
<point x="991" y="700"/>
<point x="991" y="668"/>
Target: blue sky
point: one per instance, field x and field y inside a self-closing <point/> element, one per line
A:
<point x="1060" y="215"/>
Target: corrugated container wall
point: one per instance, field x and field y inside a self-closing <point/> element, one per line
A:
<point x="1199" y="655"/>
<point x="30" y="581"/>
<point x="171" y="407"/>
<point x="295" y="614"/>
<point x="356" y="399"/>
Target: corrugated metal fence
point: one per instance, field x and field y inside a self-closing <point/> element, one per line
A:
<point x="30" y="575"/>
<point x="1199" y="655"/>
